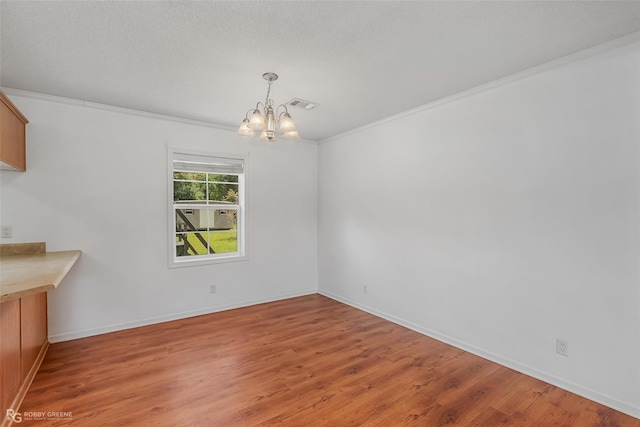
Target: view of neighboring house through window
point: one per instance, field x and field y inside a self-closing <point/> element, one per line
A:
<point x="208" y="208"/>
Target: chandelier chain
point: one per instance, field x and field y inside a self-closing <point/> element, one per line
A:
<point x="267" y="101"/>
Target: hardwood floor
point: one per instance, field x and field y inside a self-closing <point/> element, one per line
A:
<point x="307" y="361"/>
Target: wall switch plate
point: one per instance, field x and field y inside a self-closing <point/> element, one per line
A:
<point x="7" y="231"/>
<point x="212" y="289"/>
<point x="364" y="289"/>
<point x="562" y="347"/>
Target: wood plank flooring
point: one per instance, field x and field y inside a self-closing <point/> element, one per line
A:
<point x="307" y="361"/>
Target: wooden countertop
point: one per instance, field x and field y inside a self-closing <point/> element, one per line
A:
<point x="22" y="275"/>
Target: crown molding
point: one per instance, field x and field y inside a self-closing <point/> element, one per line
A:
<point x="122" y="110"/>
<point x="112" y="108"/>
<point x="611" y="45"/>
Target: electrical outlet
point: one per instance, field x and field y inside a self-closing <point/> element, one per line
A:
<point x="562" y="347"/>
<point x="364" y="289"/>
<point x="212" y="289"/>
<point x="7" y="231"/>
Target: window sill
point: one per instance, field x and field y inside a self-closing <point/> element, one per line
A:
<point x="207" y="261"/>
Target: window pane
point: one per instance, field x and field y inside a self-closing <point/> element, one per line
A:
<point x="190" y="219"/>
<point x="189" y="191"/>
<point x="224" y="241"/>
<point x="192" y="176"/>
<point x="223" y="219"/>
<point x="205" y="231"/>
<point x="204" y="243"/>
<point x="222" y="178"/>
<point x="223" y="192"/>
<point x="189" y="244"/>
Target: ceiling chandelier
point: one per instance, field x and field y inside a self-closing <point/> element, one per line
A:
<point x="267" y="119"/>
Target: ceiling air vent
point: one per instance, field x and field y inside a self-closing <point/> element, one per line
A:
<point x="301" y="103"/>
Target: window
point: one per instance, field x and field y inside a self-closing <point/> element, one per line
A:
<point x="207" y="208"/>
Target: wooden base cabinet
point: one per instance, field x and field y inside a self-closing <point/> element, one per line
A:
<point x="23" y="342"/>
<point x="10" y="358"/>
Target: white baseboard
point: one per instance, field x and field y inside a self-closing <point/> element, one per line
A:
<point x="625" y="407"/>
<point x="167" y="318"/>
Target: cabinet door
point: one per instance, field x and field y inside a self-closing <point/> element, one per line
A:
<point x="33" y="317"/>
<point x="10" y="366"/>
<point x="12" y="136"/>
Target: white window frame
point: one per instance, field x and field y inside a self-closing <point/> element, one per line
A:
<point x="241" y="254"/>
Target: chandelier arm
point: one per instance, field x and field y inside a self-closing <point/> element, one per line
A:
<point x="286" y="111"/>
<point x="246" y="116"/>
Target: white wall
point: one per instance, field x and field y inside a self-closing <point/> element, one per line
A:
<point x="93" y="173"/>
<point x="501" y="221"/>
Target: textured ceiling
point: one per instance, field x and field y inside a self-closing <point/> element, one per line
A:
<point x="360" y="61"/>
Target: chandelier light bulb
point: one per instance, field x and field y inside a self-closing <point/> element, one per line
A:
<point x="286" y="124"/>
<point x="257" y="121"/>
<point x="291" y="135"/>
<point x="245" y="130"/>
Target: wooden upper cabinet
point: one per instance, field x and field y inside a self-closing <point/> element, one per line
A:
<point x="12" y="136"/>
